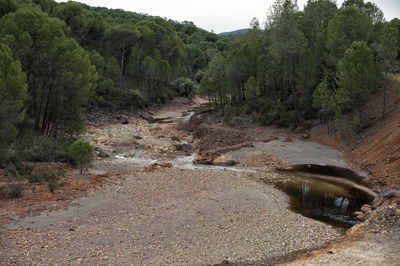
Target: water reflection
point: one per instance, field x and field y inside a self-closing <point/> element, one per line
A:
<point x="331" y="203"/>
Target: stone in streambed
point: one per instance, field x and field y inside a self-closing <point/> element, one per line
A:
<point x="184" y="147"/>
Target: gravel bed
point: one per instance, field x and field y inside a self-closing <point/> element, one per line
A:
<point x="167" y="216"/>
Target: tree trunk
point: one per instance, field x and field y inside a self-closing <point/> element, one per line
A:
<point x="220" y="99"/>
<point x="45" y="120"/>
<point x="122" y="64"/>
<point x="294" y="105"/>
<point x="81" y="167"/>
<point x="243" y="93"/>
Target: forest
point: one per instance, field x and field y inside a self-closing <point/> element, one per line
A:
<point x="60" y="60"/>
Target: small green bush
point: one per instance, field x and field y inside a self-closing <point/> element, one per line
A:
<point x="11" y="191"/>
<point x="51" y="178"/>
<point x="48" y="149"/>
<point x="81" y="152"/>
<point x="27" y="154"/>
<point x="15" y="190"/>
<point x="52" y="183"/>
<point x="3" y="192"/>
<point x="35" y="177"/>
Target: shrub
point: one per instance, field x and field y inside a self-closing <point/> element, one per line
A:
<point x="44" y="176"/>
<point x="15" y="190"/>
<point x="52" y="183"/>
<point x="48" y="149"/>
<point x="35" y="177"/>
<point x="228" y="113"/>
<point x="27" y="154"/>
<point x="81" y="152"/>
<point x="10" y="191"/>
<point x="185" y="87"/>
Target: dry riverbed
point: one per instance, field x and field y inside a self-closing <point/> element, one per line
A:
<point x="168" y="216"/>
<point x="159" y="208"/>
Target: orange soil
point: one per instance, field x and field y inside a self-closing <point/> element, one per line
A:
<point x="377" y="149"/>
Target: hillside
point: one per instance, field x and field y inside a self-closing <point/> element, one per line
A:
<point x="377" y="148"/>
<point x="235" y="32"/>
<point x="380" y="150"/>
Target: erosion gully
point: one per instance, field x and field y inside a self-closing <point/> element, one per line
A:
<point x="323" y="192"/>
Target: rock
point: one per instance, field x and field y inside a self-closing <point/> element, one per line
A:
<point x="288" y="139"/>
<point x="103" y="154"/>
<point x="164" y="164"/>
<point x="184" y="147"/>
<point x="362" y="216"/>
<point x="224" y="262"/>
<point x="98" y="173"/>
<point x="388" y="193"/>
<point x="228" y="163"/>
<point x="366" y="208"/>
<point x="153" y="166"/>
<point x="204" y="161"/>
<point x="395" y="201"/>
<point x="155" y="129"/>
<point x="148" y="118"/>
<point x="270" y="138"/>
<point x="305" y="136"/>
<point x="377" y="202"/>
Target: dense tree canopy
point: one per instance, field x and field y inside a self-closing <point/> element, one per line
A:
<point x="12" y="97"/>
<point x="58" y="59"/>
<point x="357" y="76"/>
<point x="318" y="63"/>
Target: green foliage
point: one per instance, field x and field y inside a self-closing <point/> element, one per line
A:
<point x="388" y="48"/>
<point x="7" y="6"/>
<point x="61" y="78"/>
<point x="113" y="68"/>
<point x="228" y="113"/>
<point x="74" y="56"/>
<point x="97" y="60"/>
<point x="13" y="94"/>
<point x="348" y="25"/>
<point x="357" y="77"/>
<point x="214" y="80"/>
<point x="289" y="72"/>
<point x="47" y="149"/>
<point x="81" y="152"/>
<point x="185" y="87"/>
<point x="252" y="89"/>
<point x="323" y="99"/>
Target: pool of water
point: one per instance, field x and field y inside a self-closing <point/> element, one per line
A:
<point x="323" y="201"/>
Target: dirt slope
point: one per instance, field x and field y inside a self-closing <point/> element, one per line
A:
<point x="380" y="153"/>
<point x="377" y="148"/>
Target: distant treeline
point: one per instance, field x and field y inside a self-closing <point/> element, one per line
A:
<point x="321" y="62"/>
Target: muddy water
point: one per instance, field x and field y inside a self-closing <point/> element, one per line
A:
<point x="314" y="195"/>
<point x="323" y="201"/>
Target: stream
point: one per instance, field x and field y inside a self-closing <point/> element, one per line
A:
<point x="325" y="193"/>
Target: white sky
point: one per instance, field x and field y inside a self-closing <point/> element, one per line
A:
<point x="217" y="15"/>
